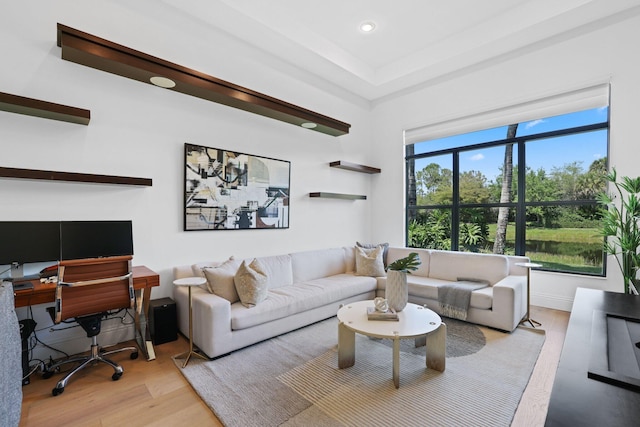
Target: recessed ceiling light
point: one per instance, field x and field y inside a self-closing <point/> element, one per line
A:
<point x="309" y="125"/>
<point x="368" y="26"/>
<point x="162" y="82"/>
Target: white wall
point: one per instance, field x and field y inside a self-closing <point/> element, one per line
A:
<point x="549" y="68"/>
<point x="139" y="130"/>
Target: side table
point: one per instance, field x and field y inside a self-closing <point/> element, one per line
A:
<point x="190" y="282"/>
<point x="527" y="317"/>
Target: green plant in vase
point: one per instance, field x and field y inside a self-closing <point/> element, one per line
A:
<point x="620" y="226"/>
<point x="397" y="290"/>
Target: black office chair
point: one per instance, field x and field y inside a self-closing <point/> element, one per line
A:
<point x="87" y="289"/>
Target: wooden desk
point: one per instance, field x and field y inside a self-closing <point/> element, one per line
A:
<point x="143" y="280"/>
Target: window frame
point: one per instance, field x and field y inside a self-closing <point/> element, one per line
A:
<point x="520" y="204"/>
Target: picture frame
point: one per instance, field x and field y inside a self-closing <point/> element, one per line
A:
<point x="230" y="190"/>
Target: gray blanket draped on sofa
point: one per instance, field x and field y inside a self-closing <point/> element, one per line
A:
<point x="454" y="298"/>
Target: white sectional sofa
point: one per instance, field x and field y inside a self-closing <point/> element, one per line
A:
<point x="501" y="305"/>
<point x="306" y="287"/>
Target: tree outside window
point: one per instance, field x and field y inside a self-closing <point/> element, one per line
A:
<point x="525" y="189"/>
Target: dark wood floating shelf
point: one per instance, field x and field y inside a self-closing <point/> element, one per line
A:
<point x="95" y="52"/>
<point x="338" y="196"/>
<point x="72" y="177"/>
<point x="43" y="109"/>
<point x="341" y="164"/>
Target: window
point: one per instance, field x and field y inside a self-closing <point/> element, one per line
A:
<point x="527" y="188"/>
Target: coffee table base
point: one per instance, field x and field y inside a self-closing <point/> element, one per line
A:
<point x="436" y="343"/>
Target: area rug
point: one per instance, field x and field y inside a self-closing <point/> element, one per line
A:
<point x="294" y="380"/>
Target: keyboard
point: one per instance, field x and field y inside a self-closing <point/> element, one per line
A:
<point x="18" y="286"/>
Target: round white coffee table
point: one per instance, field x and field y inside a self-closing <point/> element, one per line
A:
<point x="190" y="282"/>
<point x="415" y="321"/>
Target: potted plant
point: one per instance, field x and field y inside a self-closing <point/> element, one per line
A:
<point x="620" y="227"/>
<point x="397" y="291"/>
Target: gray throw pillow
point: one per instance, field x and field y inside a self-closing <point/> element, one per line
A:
<point x="251" y="283"/>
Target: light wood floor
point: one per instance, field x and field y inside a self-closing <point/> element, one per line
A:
<point x="156" y="393"/>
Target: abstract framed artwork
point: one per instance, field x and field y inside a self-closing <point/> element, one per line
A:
<point x="228" y="190"/>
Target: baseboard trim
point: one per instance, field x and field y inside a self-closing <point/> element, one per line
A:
<point x="552" y="301"/>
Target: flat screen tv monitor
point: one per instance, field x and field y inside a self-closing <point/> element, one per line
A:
<point x="95" y="239"/>
<point x="23" y="242"/>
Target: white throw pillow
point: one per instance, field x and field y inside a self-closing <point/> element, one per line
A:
<point x="251" y="283"/>
<point x="220" y="280"/>
<point x="369" y="262"/>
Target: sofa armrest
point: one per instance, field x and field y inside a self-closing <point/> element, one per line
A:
<point x="510" y="300"/>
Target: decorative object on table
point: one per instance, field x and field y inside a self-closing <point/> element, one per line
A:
<point x="373" y="314"/>
<point x="620" y="227"/>
<point x="397" y="290"/>
<point x="381" y="304"/>
<point x="227" y="190"/>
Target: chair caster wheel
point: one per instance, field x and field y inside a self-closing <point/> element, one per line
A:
<point x="134" y="355"/>
<point x="116" y="376"/>
<point x="47" y="374"/>
<point x="56" y="391"/>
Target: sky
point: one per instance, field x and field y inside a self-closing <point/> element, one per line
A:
<point x="546" y="154"/>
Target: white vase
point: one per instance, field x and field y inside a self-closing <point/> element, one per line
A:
<point x="397" y="291"/>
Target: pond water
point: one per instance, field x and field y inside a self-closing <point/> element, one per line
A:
<point x="591" y="253"/>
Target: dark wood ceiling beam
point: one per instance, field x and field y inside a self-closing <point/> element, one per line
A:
<point x="101" y="54"/>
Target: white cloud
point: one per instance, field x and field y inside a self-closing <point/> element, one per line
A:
<point x="477" y="157"/>
<point x="598" y="156"/>
<point x="533" y="123"/>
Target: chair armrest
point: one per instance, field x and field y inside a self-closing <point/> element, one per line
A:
<point x="96" y="281"/>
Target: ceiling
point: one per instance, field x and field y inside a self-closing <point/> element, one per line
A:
<point x="416" y="42"/>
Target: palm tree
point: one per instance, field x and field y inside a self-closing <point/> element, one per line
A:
<point x="505" y="193"/>
<point x="620" y="226"/>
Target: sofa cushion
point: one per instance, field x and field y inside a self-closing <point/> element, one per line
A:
<point x="251" y="283"/>
<point x="288" y="300"/>
<point x="310" y="265"/>
<point x="349" y="258"/>
<point x="278" y="270"/>
<point x="427" y="288"/>
<point x="396" y="253"/>
<point x="220" y="279"/>
<point x="369" y="262"/>
<point x="482" y="298"/>
<point x="449" y="265"/>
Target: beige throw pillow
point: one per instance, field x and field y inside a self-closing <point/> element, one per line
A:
<point x="385" y="249"/>
<point x="369" y="262"/>
<point x="220" y="279"/>
<point x="251" y="283"/>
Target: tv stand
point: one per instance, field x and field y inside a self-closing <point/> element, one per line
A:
<point x="576" y="399"/>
